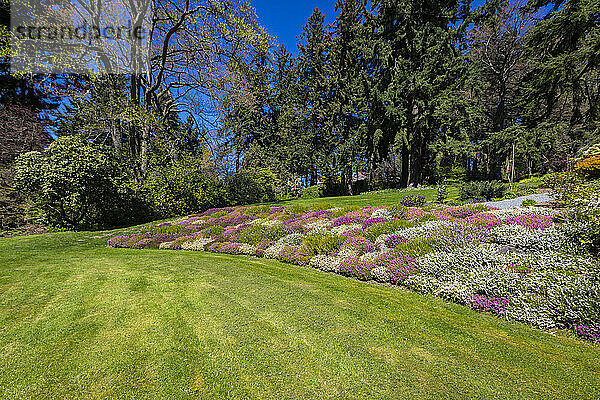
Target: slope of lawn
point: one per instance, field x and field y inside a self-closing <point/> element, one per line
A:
<point x="80" y="320"/>
<point x="380" y="198"/>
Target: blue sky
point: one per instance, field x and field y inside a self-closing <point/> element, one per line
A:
<point x="284" y="19"/>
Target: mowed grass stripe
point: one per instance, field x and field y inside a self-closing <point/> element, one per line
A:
<point x="83" y="321"/>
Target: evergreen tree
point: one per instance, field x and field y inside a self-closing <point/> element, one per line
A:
<point x="314" y="92"/>
<point x="419" y="69"/>
<point x="349" y="103"/>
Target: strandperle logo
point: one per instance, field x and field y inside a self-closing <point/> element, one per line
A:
<point x="85" y="32"/>
<point x="79" y="36"/>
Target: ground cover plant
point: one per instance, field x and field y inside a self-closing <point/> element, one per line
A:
<point x="524" y="264"/>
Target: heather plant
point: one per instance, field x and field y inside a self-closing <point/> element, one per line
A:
<point x="373" y="232"/>
<point x="413" y="200"/>
<point x="357" y="268"/>
<point x="340" y="212"/>
<point x="496" y="305"/>
<point x="323" y="244"/>
<point x="397" y="211"/>
<point x="294" y="255"/>
<point x="359" y="245"/>
<point x="253" y="234"/>
<point x="256" y="210"/>
<point x="213" y="231"/>
<point x="416" y="247"/>
<point x="400" y="268"/>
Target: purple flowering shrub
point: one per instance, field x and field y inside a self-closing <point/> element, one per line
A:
<point x="357" y="268"/>
<point x="413" y="200"/>
<point x="294" y="255"/>
<point x="588" y="332"/>
<point x="345" y="220"/>
<point x="531" y="221"/>
<point x="399" y="267"/>
<point x="496" y="305"/>
<point x="359" y="244"/>
<point x="394" y="240"/>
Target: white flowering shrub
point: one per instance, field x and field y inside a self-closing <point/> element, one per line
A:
<point x="166" y="245"/>
<point x="293" y="239"/>
<point x="338" y="230"/>
<point x="272" y="252"/>
<point x="515" y="212"/>
<point x="547" y="289"/>
<point x="197" y="245"/>
<point x="248" y="249"/>
<point x="325" y="263"/>
<point x="537" y="240"/>
<point x="380" y="274"/>
<point x="382" y="213"/>
<point x="321" y="224"/>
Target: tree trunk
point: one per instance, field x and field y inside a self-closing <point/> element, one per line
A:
<point x="405" y="166"/>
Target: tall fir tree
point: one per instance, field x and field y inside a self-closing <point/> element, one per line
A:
<point x="419" y="69"/>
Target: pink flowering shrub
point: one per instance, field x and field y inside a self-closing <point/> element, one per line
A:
<point x="531" y="221"/>
<point x="294" y="255"/>
<point x="357" y="268"/>
<point x="401" y="267"/>
<point x="496" y="305"/>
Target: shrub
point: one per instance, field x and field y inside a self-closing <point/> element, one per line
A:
<point x="356" y="268"/>
<point x="323" y="244"/>
<point x="589" y="163"/>
<point x="400" y="268"/>
<point x="416" y="247"/>
<point x="254" y="234"/>
<point x="312" y="192"/>
<point x="375" y="231"/>
<point x="293" y="255"/>
<point x="183" y="187"/>
<point x="481" y="190"/>
<point x="441" y="193"/>
<point x="256" y="186"/>
<point x="213" y="231"/>
<point x="528" y="202"/>
<point x="75" y="184"/>
<point x="413" y="200"/>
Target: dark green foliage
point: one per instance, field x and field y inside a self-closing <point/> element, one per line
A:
<point x="184" y="187"/>
<point x="75" y="184"/>
<point x="256" y="186"/>
<point x="528" y="202"/>
<point x="482" y="190"/>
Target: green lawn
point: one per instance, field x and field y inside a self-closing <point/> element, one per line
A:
<point x="380" y="198"/>
<point x="80" y="320"/>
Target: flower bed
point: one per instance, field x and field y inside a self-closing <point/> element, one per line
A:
<point x="521" y="264"/>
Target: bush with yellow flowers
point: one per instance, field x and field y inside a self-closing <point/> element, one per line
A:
<point x="589" y="163"/>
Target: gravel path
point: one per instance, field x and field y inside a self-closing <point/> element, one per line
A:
<point x="513" y="203"/>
